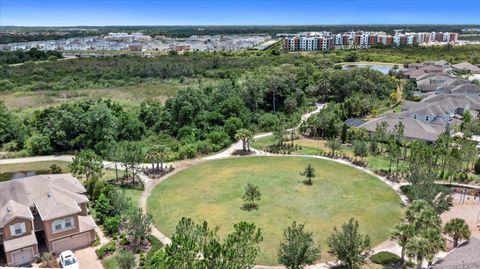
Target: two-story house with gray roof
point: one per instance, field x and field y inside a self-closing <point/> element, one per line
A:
<point x="51" y="208"/>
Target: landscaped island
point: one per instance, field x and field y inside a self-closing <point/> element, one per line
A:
<point x="213" y="192"/>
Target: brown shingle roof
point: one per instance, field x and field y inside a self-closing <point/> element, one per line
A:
<point x="414" y="129"/>
<point x="53" y="195"/>
<point x="467" y="66"/>
<point x="465" y="256"/>
<point x="20" y="242"/>
<point x="12" y="210"/>
<point x="54" y="204"/>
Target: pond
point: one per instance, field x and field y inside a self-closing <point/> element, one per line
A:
<point x="384" y="68"/>
<point x="19" y="174"/>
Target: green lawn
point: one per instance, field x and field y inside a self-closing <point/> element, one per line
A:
<point x="213" y="192"/>
<point x="316" y="147"/>
<point x="133" y="194"/>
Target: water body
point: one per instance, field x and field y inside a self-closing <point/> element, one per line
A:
<point x="14" y="175"/>
<point x="382" y="68"/>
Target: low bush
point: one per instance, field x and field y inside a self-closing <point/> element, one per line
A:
<point x="385" y="258"/>
<point x="477" y="166"/>
<point x="104" y="250"/>
<point x="111" y="224"/>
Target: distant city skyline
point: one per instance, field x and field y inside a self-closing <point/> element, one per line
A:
<point x="236" y="12"/>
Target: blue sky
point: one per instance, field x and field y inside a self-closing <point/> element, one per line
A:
<point x="236" y="12"/>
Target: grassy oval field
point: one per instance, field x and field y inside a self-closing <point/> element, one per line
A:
<point x="213" y="192"/>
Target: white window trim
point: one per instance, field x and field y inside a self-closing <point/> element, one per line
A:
<point x="62" y="223"/>
<point x="15" y="227"/>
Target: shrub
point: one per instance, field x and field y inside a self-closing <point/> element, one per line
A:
<point x="55" y="169"/>
<point x="38" y="144"/>
<point x="477" y="166"/>
<point x="106" y="249"/>
<point x="125" y="259"/>
<point x="124" y="240"/>
<point x="111" y="224"/>
<point x="188" y="151"/>
<point x="100" y="252"/>
<point x="385" y="258"/>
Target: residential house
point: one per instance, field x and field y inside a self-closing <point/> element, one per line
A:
<point x="428" y="119"/>
<point x="465" y="66"/>
<point x="49" y="210"/>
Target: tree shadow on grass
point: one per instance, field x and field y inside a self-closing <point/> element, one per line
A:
<point x="249" y="207"/>
<point x="307" y="182"/>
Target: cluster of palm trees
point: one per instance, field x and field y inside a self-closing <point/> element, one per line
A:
<point x="246" y="136"/>
<point x="420" y="232"/>
<point x="157" y="155"/>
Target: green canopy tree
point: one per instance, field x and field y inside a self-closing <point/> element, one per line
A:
<point x="334" y="145"/>
<point x="297" y="248"/>
<point x="87" y="163"/>
<point x="196" y="246"/>
<point x="360" y="148"/>
<point x="251" y="195"/>
<point x="309" y="173"/>
<point x="349" y="245"/>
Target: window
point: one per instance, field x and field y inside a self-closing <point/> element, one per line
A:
<point x="17" y="229"/>
<point x="68" y="222"/>
<point x="62" y="224"/>
<point x="57" y="225"/>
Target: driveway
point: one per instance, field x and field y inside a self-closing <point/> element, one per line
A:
<point x="87" y="258"/>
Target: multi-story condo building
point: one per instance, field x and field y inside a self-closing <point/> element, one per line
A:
<point x="311" y="41"/>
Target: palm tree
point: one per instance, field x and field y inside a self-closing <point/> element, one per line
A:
<point x="418" y="248"/>
<point x="150" y="157"/>
<point x="403" y="233"/>
<point x="457" y="229"/>
<point x="436" y="243"/>
<point x="162" y="152"/>
<point x="245" y="135"/>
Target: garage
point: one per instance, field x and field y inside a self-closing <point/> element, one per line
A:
<point x="72" y="242"/>
<point x="23" y="256"/>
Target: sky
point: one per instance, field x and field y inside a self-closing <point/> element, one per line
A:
<point x="236" y="12"/>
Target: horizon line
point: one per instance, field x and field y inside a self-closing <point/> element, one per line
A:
<point x="256" y="25"/>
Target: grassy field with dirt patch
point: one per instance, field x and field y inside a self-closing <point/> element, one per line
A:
<point x="129" y="96"/>
<point x="213" y="192"/>
<point x="316" y="147"/>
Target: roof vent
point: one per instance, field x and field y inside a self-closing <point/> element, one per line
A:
<point x="9" y="209"/>
<point x="49" y="194"/>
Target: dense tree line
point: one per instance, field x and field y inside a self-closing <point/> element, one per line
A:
<point x="27" y="34"/>
<point x="48" y="33"/>
<point x="198" y="120"/>
<point x="130" y="70"/>
<point x="20" y="56"/>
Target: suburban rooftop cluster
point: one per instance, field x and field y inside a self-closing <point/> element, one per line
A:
<point x="310" y="41"/>
<point x="140" y="42"/>
<point x="445" y="100"/>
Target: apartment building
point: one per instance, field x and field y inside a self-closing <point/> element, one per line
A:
<point x="311" y="41"/>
